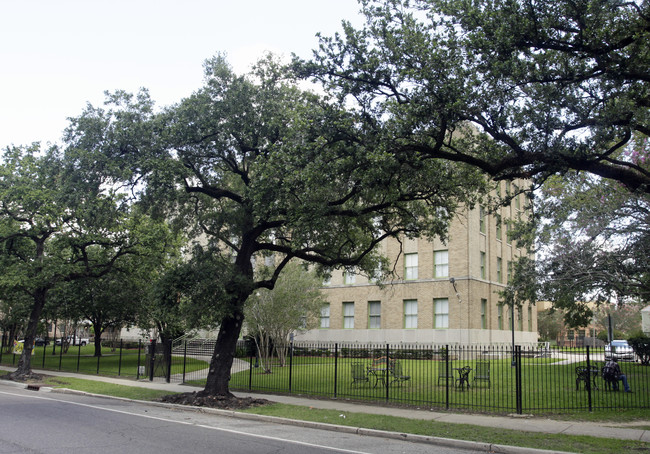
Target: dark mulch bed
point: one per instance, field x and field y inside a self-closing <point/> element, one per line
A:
<point x="201" y="399"/>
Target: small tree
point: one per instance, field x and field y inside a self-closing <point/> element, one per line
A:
<point x="549" y="324"/>
<point x="641" y="345"/>
<point x="292" y="305"/>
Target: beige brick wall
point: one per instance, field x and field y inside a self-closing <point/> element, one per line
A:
<point x="465" y="245"/>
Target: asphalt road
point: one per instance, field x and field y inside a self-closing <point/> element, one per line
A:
<point x="40" y="422"/>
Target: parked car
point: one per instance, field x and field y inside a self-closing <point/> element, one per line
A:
<point x="619" y="350"/>
<point x="40" y="342"/>
<point x="74" y="340"/>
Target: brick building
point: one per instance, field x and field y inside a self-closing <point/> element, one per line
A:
<point x="422" y="304"/>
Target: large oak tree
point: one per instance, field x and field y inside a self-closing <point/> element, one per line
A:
<point x="257" y="167"/>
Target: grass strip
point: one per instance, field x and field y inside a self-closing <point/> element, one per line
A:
<point x="107" y="389"/>
<point x="558" y="442"/>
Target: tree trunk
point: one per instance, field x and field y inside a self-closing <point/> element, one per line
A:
<point x="98" y="341"/>
<point x="24" y="369"/>
<point x="224" y="352"/>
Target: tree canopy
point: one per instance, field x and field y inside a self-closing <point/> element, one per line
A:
<point x="593" y="239"/>
<point x="518" y="89"/>
<point x="57" y="225"/>
<point x="256" y="167"/>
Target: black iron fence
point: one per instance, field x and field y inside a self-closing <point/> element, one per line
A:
<point x="124" y="359"/>
<point x="481" y="378"/>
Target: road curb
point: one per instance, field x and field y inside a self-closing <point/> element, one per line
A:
<point x="423" y="439"/>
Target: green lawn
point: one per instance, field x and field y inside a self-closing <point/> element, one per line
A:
<point x="82" y="359"/>
<point x="558" y="442"/>
<point x="546" y="385"/>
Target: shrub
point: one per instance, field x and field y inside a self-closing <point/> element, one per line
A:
<point x="641" y="345"/>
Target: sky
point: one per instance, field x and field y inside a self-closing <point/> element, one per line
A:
<point x="58" y="55"/>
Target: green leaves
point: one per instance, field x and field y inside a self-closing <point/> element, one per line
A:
<point x="544" y="86"/>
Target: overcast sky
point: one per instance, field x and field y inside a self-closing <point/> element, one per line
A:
<point x="57" y="55"/>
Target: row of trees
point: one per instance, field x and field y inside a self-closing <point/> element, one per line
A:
<point x="423" y="106"/>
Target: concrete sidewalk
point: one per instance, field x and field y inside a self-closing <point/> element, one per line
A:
<point x="625" y="431"/>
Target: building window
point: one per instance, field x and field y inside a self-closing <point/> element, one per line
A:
<point x="508" y="231"/>
<point x="327" y="281"/>
<point x="374" y="315"/>
<point x="499" y="234"/>
<point x="348" y="315"/>
<point x="483" y="270"/>
<point x="441" y="313"/>
<point x="441" y="263"/>
<point x="349" y="277"/>
<point x="483" y="313"/>
<point x="515" y="190"/>
<point x="410" y="313"/>
<point x="411" y="266"/>
<point x="530" y="318"/>
<point x="509" y="271"/>
<point x="499" y="270"/>
<point x="481" y="220"/>
<point x="325" y="316"/>
<point x="500" y="316"/>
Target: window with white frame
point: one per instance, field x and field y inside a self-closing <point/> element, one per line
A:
<point x="483" y="265"/>
<point x="348" y="315"/>
<point x="483" y="313"/>
<point x="410" y="314"/>
<point x="500" y="316"/>
<point x="441" y="263"/>
<point x="515" y="190"/>
<point x="325" y="316"/>
<point x="499" y="270"/>
<point x="481" y="220"/>
<point x="411" y="266"/>
<point x="374" y="315"/>
<point x="441" y="313"/>
<point x="349" y="277"/>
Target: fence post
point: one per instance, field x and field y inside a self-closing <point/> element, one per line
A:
<point x="137" y="374"/>
<point x="588" y="385"/>
<point x="250" y="368"/>
<point x="290" y="361"/>
<point x="447" y="376"/>
<point x="386" y="381"/>
<point x="184" y="358"/>
<point x="336" y="367"/>
<point x="119" y="364"/>
<point x="517" y="355"/>
<point x="152" y="358"/>
<point x="167" y="351"/>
